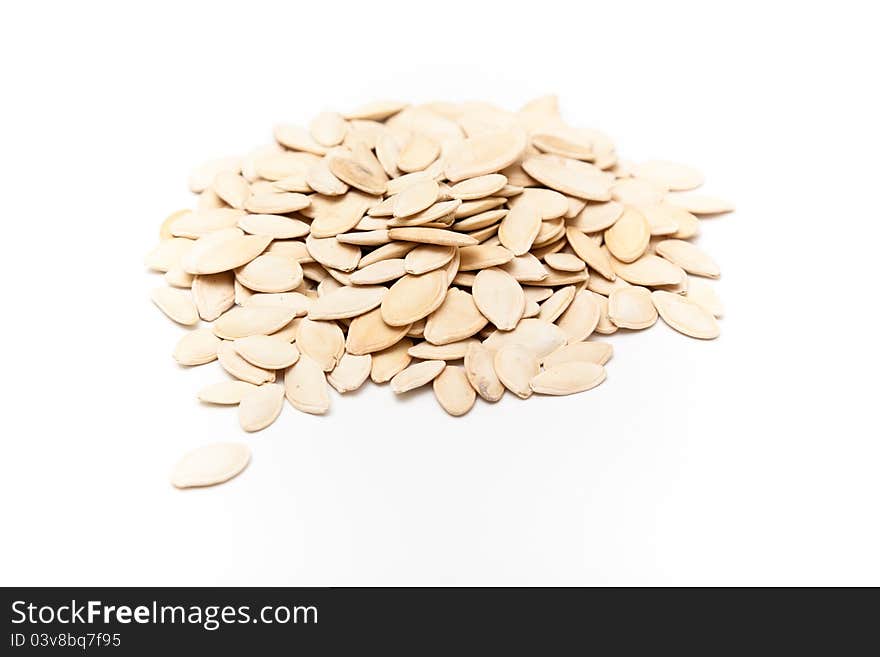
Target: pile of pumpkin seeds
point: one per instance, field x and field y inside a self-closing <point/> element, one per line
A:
<point x="461" y="245"/>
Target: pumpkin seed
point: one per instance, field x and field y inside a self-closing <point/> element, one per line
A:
<point x="568" y="378"/>
<point x="428" y="257"/>
<point x="431" y="236"/>
<point x="260" y="407"/>
<point x="581" y="317"/>
<point x="197" y="347"/>
<point x="590" y="352"/>
<point x="225" y="392"/>
<point x="241" y="369"/>
<point x="629" y="237"/>
<point x="323" y="342"/>
<point x="211" y="464"/>
<point x="704" y="295"/>
<point x="670" y="175"/>
<point x="685" y="316"/>
<point x="486" y="153"/>
<point x="379" y="272"/>
<point x="240" y="322"/>
<point x="270" y="352"/>
<point x="447" y="351"/>
<point x="453" y="391"/>
<point x="176" y="304"/>
<point x="350" y="372"/>
<point x="415" y="376"/>
<point x="347" y="302"/>
<point x="413" y="297"/>
<point x="515" y="366"/>
<point x="689" y="257"/>
<point x="305" y="387"/>
<point x="631" y="307"/>
<point x="499" y="297"/>
<point x="388" y="362"/>
<point x="417" y="153"/>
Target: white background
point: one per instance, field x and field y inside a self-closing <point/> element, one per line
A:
<point x="752" y="459"/>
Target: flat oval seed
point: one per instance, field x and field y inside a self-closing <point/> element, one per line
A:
<point x="631" y="307"/>
<point x="347" y="302"/>
<point x="270" y="273"/>
<point x="334" y="254"/>
<point x="499" y="297"/>
<point x="267" y="351"/>
<point x="276" y="202"/>
<point x="369" y="333"/>
<point x="260" y="407"/>
<point x="565" y="261"/>
<point x="483" y="256"/>
<point x="414" y="297"/>
<point x="225" y="254"/>
<point x="699" y="204"/>
<point x="431" y="236"/>
<point x="448" y="351"/>
<point x="581" y="317"/>
<point x="355" y="173"/>
<point x="323" y="342"/>
<point x="516" y="365"/>
<point x="197" y="347"/>
<point x="305" y="387"/>
<point x="454" y="392"/>
<point x="479" y="187"/>
<point x="416" y="375"/>
<point x="568" y="378"/>
<point x="202" y="176"/>
<point x="526" y="269"/>
<point x="685" y="316"/>
<point x="537" y="335"/>
<point x="211" y="464"/>
<point x="169" y="253"/>
<point x="379" y="272"/>
<point x="456" y="319"/>
<point x="390" y="361"/>
<point x="519" y="228"/>
<point x="274" y="226"/>
<point x="486" y="153"/>
<point x="480" y="371"/>
<point x="241" y="322"/>
<point x="628" y="238"/>
<point x="637" y="192"/>
<point x="649" y="270"/>
<point x="365" y="238"/>
<point x="328" y="128"/>
<point x="553" y="307"/>
<point x="670" y="175"/>
<point x="417" y="153"/>
<point x="704" y="295"/>
<point x="176" y="304"/>
<point x="689" y="257"/>
<point x="203" y="222"/>
<point x="225" y="392"/>
<point x="428" y="257"/>
<point x="590" y="352"/>
<point x="350" y="372"/>
<point x="570" y="177"/>
<point x="232" y="188"/>
<point x="597" y="217"/>
<point x="415" y="198"/>
<point x="240" y="368"/>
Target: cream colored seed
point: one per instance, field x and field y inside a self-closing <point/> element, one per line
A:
<point x="361" y="241"/>
<point x="209" y="465"/>
<point x="260" y="407"/>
